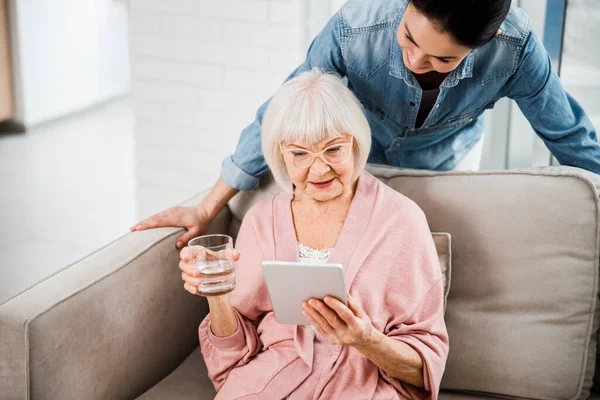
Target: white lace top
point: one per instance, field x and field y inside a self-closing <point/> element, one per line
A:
<point x="313" y="256"/>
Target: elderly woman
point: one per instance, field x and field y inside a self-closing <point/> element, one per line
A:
<point x="390" y="342"/>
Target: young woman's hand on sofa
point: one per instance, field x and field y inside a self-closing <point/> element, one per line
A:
<point x="194" y="219"/>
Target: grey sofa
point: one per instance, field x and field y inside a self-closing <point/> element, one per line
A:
<point x="522" y="312"/>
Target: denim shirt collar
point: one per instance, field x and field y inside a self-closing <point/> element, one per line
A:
<point x="399" y="70"/>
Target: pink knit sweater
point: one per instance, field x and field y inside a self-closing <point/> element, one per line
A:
<point x="390" y="268"/>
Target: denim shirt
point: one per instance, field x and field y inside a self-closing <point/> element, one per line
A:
<point x="359" y="43"/>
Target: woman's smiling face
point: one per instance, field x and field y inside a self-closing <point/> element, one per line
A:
<point x="320" y="181"/>
<point x="424" y="47"/>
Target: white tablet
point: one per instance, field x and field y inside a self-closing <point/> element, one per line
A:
<point x="291" y="283"/>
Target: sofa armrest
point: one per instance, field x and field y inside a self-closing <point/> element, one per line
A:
<point x="108" y="326"/>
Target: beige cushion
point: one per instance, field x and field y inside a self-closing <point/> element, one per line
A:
<point x="523" y="304"/>
<point x="189" y="381"/>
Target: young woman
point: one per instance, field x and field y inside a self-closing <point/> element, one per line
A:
<point x="424" y="71"/>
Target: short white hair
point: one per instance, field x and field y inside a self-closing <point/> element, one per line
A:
<point x="307" y="109"/>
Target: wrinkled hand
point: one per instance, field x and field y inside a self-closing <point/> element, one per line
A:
<point x="337" y="323"/>
<point x="194" y="219"/>
<point x="190" y="274"/>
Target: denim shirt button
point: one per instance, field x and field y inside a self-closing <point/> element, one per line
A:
<point x="470" y="119"/>
<point x="412" y="104"/>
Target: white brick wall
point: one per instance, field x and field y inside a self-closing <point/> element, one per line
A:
<point x="200" y="70"/>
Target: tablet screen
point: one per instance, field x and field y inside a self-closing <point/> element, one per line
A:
<point x="291" y="283"/>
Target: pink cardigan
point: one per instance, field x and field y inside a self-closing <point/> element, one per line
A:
<point x="390" y="268"/>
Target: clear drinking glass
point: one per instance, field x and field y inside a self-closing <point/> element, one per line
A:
<point x="216" y="265"/>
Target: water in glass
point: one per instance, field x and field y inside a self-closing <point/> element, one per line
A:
<point x="217" y="276"/>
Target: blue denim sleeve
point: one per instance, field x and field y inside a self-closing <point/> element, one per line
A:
<point x="243" y="169"/>
<point x="557" y="118"/>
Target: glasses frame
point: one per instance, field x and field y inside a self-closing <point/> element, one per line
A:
<point x="319" y="154"/>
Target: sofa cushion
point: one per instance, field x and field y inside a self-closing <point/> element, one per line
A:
<point x="522" y="309"/>
<point x="189" y="381"/>
<point x="523" y="305"/>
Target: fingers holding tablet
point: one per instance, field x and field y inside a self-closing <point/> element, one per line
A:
<point x="338" y="323"/>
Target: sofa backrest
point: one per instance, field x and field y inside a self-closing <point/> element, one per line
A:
<point x="522" y="312"/>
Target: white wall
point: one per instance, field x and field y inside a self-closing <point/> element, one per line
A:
<point x="200" y="70"/>
<point x="525" y="148"/>
<point x="69" y="55"/>
<point x="580" y="67"/>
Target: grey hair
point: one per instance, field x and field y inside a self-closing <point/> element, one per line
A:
<point x="307" y="109"/>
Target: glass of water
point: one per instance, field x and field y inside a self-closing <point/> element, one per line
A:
<point x="215" y="264"/>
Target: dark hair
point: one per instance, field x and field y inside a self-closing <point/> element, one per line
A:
<point x="472" y="23"/>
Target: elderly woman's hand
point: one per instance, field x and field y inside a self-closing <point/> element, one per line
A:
<point x="337" y="323"/>
<point x="189" y="256"/>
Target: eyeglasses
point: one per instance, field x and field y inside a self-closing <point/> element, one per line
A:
<point x="335" y="154"/>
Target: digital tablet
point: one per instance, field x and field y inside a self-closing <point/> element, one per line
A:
<point x="291" y="283"/>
